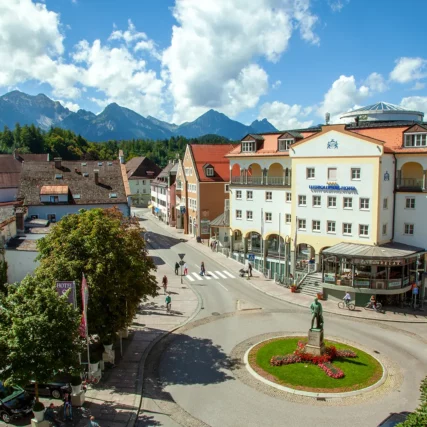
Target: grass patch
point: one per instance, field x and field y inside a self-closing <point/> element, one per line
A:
<point x="360" y="372"/>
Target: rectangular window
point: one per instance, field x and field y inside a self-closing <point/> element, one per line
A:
<point x="355" y="174"/>
<point x="284" y="144"/>
<point x="346" y="229"/>
<point x="143" y="182"/>
<point x="210" y="172"/>
<point x="317" y="201"/>
<point x="54" y="199"/>
<point x="249" y="215"/>
<point x="384" y="229"/>
<point x="249" y="195"/>
<point x="332" y="202"/>
<point x="301" y="224"/>
<point x="364" y="203"/>
<point x="268" y="216"/>
<point x="363" y="230"/>
<point x="227" y="188"/>
<point x="248" y="146"/>
<point x="288" y="197"/>
<point x="268" y="196"/>
<point x="238" y="194"/>
<point x="409" y="229"/>
<point x="238" y="214"/>
<point x="416" y="140"/>
<point x="385" y="203"/>
<point x="288" y="218"/>
<point x="310" y="173"/>
<point x="348" y="203"/>
<point x="315" y="225"/>
<point x="410" y="203"/>
<point x="302" y="200"/>
<point x="331" y="226"/>
<point x="332" y="174"/>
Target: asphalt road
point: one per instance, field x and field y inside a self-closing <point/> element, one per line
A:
<point x="197" y="373"/>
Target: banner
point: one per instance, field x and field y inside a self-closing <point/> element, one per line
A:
<point x="85" y="298"/>
<point x="62" y="287"/>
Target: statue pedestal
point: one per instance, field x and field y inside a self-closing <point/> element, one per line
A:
<point x="315" y="343"/>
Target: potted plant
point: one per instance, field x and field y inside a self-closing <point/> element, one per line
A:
<point x="108" y="343"/>
<point x="94" y="363"/>
<point x="76" y="384"/>
<point x="319" y="295"/>
<point x="293" y="288"/>
<point x="38" y="411"/>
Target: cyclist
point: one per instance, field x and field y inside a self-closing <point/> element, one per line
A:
<point x="165" y="283"/>
<point x="347" y="298"/>
<point x="373" y="302"/>
<point x="168" y="302"/>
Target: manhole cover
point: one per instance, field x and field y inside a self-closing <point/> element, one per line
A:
<point x="215" y="313"/>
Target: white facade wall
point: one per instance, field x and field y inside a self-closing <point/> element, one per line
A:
<point x="140" y="186"/>
<point x="8" y="231"/>
<point x="19" y="264"/>
<point x="160" y="193"/>
<point x="8" y="194"/>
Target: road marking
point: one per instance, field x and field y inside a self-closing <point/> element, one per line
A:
<point x="206" y="276"/>
<point x="228" y="274"/>
<point x="197" y="276"/>
<point x="221" y="275"/>
<point x="189" y="278"/>
<point x="223" y="286"/>
<point x="211" y="273"/>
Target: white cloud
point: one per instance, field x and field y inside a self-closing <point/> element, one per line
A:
<point x="215" y="46"/>
<point x="70" y="105"/>
<point x="342" y="96"/>
<point x="276" y="84"/>
<point x="284" y="116"/>
<point x="130" y="35"/>
<point x="337" y="5"/>
<point x="418" y="86"/>
<point x="376" y="83"/>
<point x="417" y="103"/>
<point x="409" y="69"/>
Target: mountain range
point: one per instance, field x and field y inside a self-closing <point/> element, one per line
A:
<point x="116" y="122"/>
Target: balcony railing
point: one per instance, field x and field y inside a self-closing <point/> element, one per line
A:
<point x="410" y="184"/>
<point x="259" y="180"/>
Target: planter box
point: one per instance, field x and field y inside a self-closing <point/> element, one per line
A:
<point x="35" y="423"/>
<point x="76" y="389"/>
<point x="94" y="367"/>
<point x="38" y="416"/>
<point x="78" y="399"/>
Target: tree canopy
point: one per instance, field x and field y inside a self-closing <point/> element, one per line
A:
<point x="39" y="333"/>
<point x="111" y="252"/>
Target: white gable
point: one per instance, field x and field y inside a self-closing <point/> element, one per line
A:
<point x="336" y="144"/>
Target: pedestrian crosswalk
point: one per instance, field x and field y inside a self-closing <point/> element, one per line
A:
<point x="192" y="277"/>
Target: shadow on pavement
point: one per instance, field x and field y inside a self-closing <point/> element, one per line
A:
<point x="160" y="241"/>
<point x="157" y="260"/>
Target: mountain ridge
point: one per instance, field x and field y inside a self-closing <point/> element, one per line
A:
<point x="116" y="122"/>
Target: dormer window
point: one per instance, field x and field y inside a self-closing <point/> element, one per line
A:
<point x="416" y="140"/>
<point x="210" y="171"/>
<point x="284" y="144"/>
<point x="248" y="146"/>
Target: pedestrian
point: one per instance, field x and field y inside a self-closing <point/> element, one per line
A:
<point x="250" y="270"/>
<point x="176" y="268"/>
<point x="165" y="283"/>
<point x="50" y="415"/>
<point x="202" y="269"/>
<point x="185" y="269"/>
<point x="68" y="408"/>
<point x="92" y="422"/>
<point x="168" y="302"/>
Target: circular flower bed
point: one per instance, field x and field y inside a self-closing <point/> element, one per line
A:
<point x="341" y="369"/>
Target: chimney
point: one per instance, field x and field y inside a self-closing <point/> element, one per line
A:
<point x="96" y="176"/>
<point x="58" y="161"/>
<point x="19" y="215"/>
<point x="121" y="157"/>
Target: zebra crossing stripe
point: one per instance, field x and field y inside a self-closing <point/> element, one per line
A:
<point x="211" y="273"/>
<point x="189" y="278"/>
<point x="228" y="274"/>
<point x="220" y="274"/>
<point x="206" y="276"/>
<point x="197" y="276"/>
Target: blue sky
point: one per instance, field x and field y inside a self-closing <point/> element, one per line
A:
<point x="287" y="60"/>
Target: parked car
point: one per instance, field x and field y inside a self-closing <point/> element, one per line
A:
<point x="56" y="388"/>
<point x="15" y="402"/>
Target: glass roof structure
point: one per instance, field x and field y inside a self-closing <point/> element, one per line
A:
<point x="380" y="106"/>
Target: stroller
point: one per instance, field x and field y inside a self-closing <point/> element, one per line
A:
<point x="243" y="272"/>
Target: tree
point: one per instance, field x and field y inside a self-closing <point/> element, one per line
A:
<point x="111" y="253"/>
<point x="419" y="417"/>
<point x="39" y="333"/>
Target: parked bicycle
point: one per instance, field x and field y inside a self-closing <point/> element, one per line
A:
<point x="344" y="304"/>
<point x="284" y="281"/>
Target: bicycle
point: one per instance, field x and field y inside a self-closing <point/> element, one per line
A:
<point x="345" y="304"/>
<point x="283" y="281"/>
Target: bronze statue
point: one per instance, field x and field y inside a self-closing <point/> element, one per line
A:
<point x="317" y="313"/>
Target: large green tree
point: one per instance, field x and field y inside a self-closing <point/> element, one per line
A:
<point x="39" y="333"/>
<point x="111" y="252"/>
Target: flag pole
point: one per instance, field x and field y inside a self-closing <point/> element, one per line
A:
<point x="85" y="301"/>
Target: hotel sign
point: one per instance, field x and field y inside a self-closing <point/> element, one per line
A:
<point x="332" y="188"/>
<point x="393" y="263"/>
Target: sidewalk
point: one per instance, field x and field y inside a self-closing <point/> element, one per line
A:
<point x="116" y="400"/>
<point x="269" y="287"/>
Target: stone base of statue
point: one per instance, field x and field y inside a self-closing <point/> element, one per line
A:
<point x="315" y="343"/>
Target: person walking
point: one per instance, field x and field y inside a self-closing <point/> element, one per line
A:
<point x="165" y="283"/>
<point x="250" y="270"/>
<point x="176" y="268"/>
<point x="168" y="302"/>
<point x="50" y="415"/>
<point x="92" y="422"/>
<point x="68" y="409"/>
<point x="202" y="269"/>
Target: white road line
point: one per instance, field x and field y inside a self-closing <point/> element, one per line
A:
<point x="228" y="274"/>
<point x="206" y="276"/>
<point x="197" y="276"/>
<point x="223" y="286"/>
<point x="211" y="273"/>
<point x="189" y="278"/>
<point x="221" y="275"/>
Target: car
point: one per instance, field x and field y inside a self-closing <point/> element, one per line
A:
<point x="394" y="419"/>
<point x="15" y="402"/>
<point x="55" y="388"/>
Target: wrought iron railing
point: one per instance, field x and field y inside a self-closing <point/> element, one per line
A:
<point x="410" y="183"/>
<point x="259" y="180"/>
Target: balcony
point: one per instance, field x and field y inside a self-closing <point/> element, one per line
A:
<point x="273" y="181"/>
<point x="409" y="184"/>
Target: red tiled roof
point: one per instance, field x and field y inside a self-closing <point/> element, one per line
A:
<point x="212" y="154"/>
<point x="54" y="189"/>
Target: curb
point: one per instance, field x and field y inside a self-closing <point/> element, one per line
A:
<point x="141" y="366"/>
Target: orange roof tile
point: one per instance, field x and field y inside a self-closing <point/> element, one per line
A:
<point x="213" y="154"/>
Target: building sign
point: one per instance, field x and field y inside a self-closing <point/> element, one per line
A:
<point x="394" y="284"/>
<point x="362" y="283"/>
<point x="62" y="287"/>
<point x="332" y="187"/>
<point x="205" y="226"/>
<point x="332" y="144"/>
<point x="330" y="278"/>
<point x="385" y="263"/>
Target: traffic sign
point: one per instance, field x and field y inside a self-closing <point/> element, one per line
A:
<point x="251" y="257"/>
<point x="182" y="263"/>
<point x="181" y="256"/>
